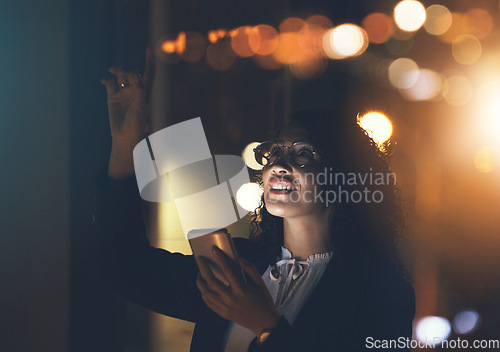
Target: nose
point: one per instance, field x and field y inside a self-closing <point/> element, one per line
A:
<point x="282" y="165"/>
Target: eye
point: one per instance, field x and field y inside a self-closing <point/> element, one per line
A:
<point x="305" y="153"/>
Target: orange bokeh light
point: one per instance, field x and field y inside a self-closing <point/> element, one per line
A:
<point x="292" y="24"/>
<point x="265" y="40"/>
<point x="479" y="23"/>
<point x="168" y="46"/>
<point x="195" y="47"/>
<point x="379" y="27"/>
<point x="240" y="42"/>
<point x="213" y="37"/>
<point x="288" y="50"/>
<point x="267" y="62"/>
<point x="320" y="20"/>
<point x="309" y="68"/>
<point x="310" y="39"/>
<point x="458" y="27"/>
<point x="181" y="43"/>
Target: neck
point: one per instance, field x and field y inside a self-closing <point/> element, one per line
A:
<point x="308" y="234"/>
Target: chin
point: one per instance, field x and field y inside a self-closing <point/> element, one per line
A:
<point x="283" y="210"/>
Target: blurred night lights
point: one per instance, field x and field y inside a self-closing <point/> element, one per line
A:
<point x="241" y="38"/>
<point x="409" y="15"/>
<point x="432" y="329"/>
<point x="489" y="106"/>
<point x="438" y="19"/>
<point x="403" y="73"/>
<point x="267" y="40"/>
<point x="479" y="23"/>
<point x="466" y="49"/>
<point x="249" y="158"/>
<point x="248" y="196"/>
<point x="378" y="126"/>
<point x="466" y="322"/>
<point x="484" y="159"/>
<point x="458" y="27"/>
<point x="379" y="27"/>
<point x="344" y="41"/>
<point x="457" y="90"/>
<point x="427" y="87"/>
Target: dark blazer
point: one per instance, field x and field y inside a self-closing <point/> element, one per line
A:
<point x="355" y="300"/>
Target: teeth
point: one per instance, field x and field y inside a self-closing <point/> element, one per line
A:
<point x="282" y="187"/>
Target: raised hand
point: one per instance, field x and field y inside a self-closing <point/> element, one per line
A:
<point x="129" y="105"/>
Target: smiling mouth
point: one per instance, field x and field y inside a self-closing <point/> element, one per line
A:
<point x="281" y="189"/>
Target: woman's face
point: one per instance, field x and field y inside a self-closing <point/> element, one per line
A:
<point x="299" y="197"/>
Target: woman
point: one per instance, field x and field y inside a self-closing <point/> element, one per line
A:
<point x="325" y="271"/>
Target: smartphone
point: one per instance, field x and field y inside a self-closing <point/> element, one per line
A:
<point x="201" y="244"/>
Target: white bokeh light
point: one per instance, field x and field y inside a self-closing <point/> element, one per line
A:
<point x="248" y="196"/>
<point x="345" y="41"/>
<point x="432" y="329"/>
<point x="403" y="73"/>
<point x="466" y="321"/>
<point x="409" y="15"/>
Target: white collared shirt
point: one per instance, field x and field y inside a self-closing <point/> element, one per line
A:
<point x="290" y="283"/>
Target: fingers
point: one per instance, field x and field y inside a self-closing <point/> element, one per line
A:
<point x="210" y="297"/>
<point x="228" y="268"/>
<point x="110" y="84"/>
<point x="252" y="271"/>
<point x="209" y="277"/>
<point x="121" y="76"/>
<point x="133" y="78"/>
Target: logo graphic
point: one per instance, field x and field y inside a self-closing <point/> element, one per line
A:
<point x="175" y="163"/>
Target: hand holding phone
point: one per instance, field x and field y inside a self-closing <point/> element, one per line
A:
<point x="203" y="251"/>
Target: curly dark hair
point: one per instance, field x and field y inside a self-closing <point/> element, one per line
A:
<point x="357" y="228"/>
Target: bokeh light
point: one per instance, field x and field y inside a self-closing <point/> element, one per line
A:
<point x="310" y="39"/>
<point x="195" y="49"/>
<point x="267" y="62"/>
<point x="479" y="23"/>
<point x="457" y="90"/>
<point x="248" y="156"/>
<point x="265" y="41"/>
<point x="320" y="20"/>
<point x="466" y="49"/>
<point x="403" y="73"/>
<point x="466" y="321"/>
<point x="378" y="126"/>
<point x="288" y="50"/>
<point x="311" y="68"/>
<point x="248" y="196"/>
<point x="379" y="27"/>
<point x="488" y="94"/>
<point x="241" y="38"/>
<point x="216" y="34"/>
<point x="438" y="20"/>
<point x="484" y="159"/>
<point x="344" y="41"/>
<point x="291" y="24"/>
<point x="458" y="27"/>
<point x="220" y="56"/>
<point x="432" y="328"/>
<point x="427" y="87"/>
<point x="409" y="15"/>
